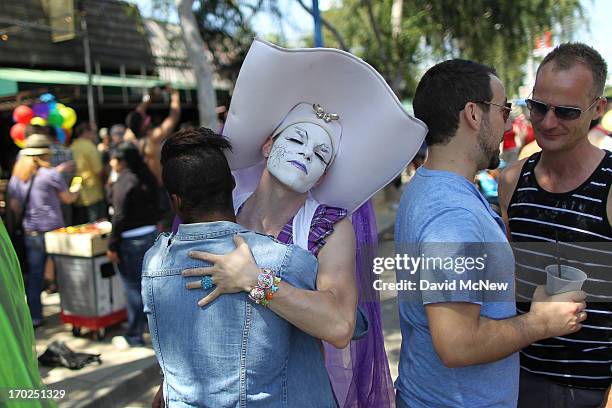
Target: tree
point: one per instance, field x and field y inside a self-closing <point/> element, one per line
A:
<point x="217" y="35"/>
<point x="207" y="99"/>
<point x="498" y="33"/>
<point x="225" y="26"/>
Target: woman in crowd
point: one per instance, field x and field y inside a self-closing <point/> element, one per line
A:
<point x="37" y="190"/>
<point x="133" y="197"/>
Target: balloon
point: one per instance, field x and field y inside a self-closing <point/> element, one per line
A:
<point x="55" y="119"/>
<point x="47" y="97"/>
<point x="18" y="131"/>
<point x="52" y="106"/>
<point x="41" y="109"/>
<point x="61" y="136"/>
<point x="59" y="106"/>
<point x="23" y="114"/>
<point x="69" y="116"/>
<point x="68" y="134"/>
<point x="20" y="143"/>
<point x="38" y="121"/>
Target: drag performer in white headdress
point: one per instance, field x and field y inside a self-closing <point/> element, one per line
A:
<point x="315" y="133"/>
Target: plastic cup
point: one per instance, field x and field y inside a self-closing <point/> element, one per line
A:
<point x="569" y="279"/>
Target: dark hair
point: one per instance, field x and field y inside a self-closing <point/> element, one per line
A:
<point x="80" y="129"/>
<point x="443" y="92"/>
<point x="196" y="170"/>
<point x="129" y="154"/>
<point x="567" y="55"/>
<point x="133" y="121"/>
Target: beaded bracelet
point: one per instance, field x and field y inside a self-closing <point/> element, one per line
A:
<point x="267" y="285"/>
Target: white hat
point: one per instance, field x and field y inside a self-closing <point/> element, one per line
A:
<point x="378" y="137"/>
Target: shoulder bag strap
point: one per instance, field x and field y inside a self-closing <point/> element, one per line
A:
<point x="27" y="199"/>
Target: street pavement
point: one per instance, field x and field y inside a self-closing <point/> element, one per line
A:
<point x="129" y="378"/>
<point x="122" y="375"/>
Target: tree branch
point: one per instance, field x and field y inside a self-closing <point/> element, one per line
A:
<point x="327" y="25"/>
<point x="381" y="47"/>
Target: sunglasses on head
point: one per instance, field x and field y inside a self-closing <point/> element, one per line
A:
<point x="539" y="109"/>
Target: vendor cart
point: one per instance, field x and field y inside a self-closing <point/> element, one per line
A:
<point x="91" y="291"/>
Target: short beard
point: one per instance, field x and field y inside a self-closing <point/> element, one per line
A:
<point x="490" y="157"/>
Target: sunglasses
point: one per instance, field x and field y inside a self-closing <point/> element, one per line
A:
<point x="506" y="108"/>
<point x="539" y="109"/>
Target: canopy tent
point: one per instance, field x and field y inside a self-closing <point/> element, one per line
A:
<point x="9" y="77"/>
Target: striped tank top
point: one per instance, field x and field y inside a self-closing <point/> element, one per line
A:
<point x="571" y="229"/>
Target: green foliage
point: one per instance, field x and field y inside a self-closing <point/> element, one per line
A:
<point x="497" y="33"/>
<point x="395" y="59"/>
<point x="225" y="28"/>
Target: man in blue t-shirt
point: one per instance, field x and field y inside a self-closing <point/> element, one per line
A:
<point x="460" y="335"/>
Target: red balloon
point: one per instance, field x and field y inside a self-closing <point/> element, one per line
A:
<point x="23" y="114"/>
<point x="18" y="131"/>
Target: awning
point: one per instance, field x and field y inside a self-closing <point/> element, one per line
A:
<point x="10" y="76"/>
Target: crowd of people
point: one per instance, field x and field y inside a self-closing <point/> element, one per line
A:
<point x="261" y="294"/>
<point x="107" y="176"/>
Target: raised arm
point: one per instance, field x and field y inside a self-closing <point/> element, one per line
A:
<point x="144" y="105"/>
<point x="164" y="130"/>
<point x="141" y="109"/>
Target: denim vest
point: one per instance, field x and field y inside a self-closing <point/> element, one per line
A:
<point x="232" y="352"/>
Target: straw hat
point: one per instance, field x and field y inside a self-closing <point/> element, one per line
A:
<point x="277" y="86"/>
<point x="36" y="145"/>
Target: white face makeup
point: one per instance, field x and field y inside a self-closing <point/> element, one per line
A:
<point x="300" y="155"/>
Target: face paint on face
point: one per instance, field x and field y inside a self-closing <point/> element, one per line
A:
<point x="299" y="156"/>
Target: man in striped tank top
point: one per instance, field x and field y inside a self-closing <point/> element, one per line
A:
<point x="560" y="201"/>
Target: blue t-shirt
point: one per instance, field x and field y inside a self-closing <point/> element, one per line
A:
<point x="444" y="220"/>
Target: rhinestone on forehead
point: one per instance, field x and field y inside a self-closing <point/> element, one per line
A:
<point x="325" y="116"/>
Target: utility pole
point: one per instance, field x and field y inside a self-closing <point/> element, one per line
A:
<point x="318" y="36"/>
<point x="87" y="55"/>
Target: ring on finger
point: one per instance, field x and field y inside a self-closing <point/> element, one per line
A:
<point x="207" y="282"/>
